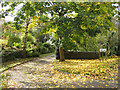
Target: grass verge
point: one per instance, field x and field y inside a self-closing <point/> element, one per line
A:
<point x="96" y="69"/>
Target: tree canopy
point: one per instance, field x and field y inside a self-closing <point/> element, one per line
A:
<point x="74" y="21"/>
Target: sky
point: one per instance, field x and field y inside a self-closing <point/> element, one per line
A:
<point x="11" y="18"/>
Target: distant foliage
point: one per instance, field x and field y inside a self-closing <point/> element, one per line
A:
<point x="13" y="39"/>
<point x="45" y="48"/>
<point x="30" y="38"/>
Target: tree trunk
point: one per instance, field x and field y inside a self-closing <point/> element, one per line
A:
<point x="108" y="48"/>
<point x="25" y="40"/>
<point x="57" y="50"/>
<point x="61" y="52"/>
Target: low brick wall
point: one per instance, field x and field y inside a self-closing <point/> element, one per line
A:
<point x="82" y="55"/>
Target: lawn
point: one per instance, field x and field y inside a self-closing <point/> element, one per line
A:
<point x="95" y="69"/>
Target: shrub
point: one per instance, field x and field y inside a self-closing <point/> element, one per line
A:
<point x="18" y="45"/>
<point x="44" y="50"/>
<point x="33" y="53"/>
<point x="13" y="39"/>
<point x="18" y="54"/>
<point x="30" y="38"/>
<point x="8" y="49"/>
<point x="33" y="43"/>
<point x="7" y="57"/>
<point x="51" y="49"/>
<point x="39" y="47"/>
<point x="47" y="45"/>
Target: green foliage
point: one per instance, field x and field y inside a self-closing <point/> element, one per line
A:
<point x="40" y="36"/>
<point x="112" y="42"/>
<point x="44" y="48"/>
<point x="47" y="45"/>
<point x="30" y="38"/>
<point x="33" y="53"/>
<point x="18" y="45"/>
<point x="7" y="56"/>
<point x="81" y="55"/>
<point x="91" y="18"/>
<point x="13" y="55"/>
<point x="51" y="49"/>
<point x="94" y="43"/>
<point x="13" y="39"/>
<point x="39" y="46"/>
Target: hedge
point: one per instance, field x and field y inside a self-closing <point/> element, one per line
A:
<point x="80" y="55"/>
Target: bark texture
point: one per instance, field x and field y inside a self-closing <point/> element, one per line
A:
<point x="61" y="52"/>
<point x="25" y="41"/>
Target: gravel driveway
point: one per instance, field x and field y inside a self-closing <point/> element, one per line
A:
<point x="40" y="74"/>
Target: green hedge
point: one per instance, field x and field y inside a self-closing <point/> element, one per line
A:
<point x="79" y="55"/>
<point x="42" y="48"/>
<point x="7" y="56"/>
<point x="82" y="55"/>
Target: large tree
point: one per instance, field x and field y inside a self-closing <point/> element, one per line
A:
<point x="119" y="30"/>
<point x="26" y="16"/>
<point x="90" y="18"/>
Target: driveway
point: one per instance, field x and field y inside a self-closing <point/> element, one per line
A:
<point x="41" y="74"/>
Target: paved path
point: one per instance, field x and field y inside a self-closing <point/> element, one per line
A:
<point x="40" y="74"/>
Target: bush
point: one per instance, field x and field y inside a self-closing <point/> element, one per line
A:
<point x="51" y="49"/>
<point x="13" y="39"/>
<point x="18" y="45"/>
<point x="30" y="38"/>
<point x="39" y="46"/>
<point x="18" y="54"/>
<point x="47" y="45"/>
<point x="7" y="57"/>
<point x="44" y="50"/>
<point x="33" y="53"/>
<point x="33" y="43"/>
<point x="36" y="54"/>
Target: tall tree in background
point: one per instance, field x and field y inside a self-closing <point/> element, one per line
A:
<point x="91" y="18"/>
<point x="26" y="15"/>
<point x="57" y="11"/>
<point x="119" y="29"/>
